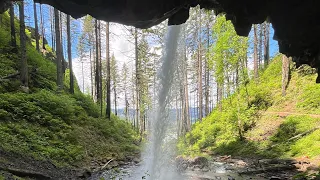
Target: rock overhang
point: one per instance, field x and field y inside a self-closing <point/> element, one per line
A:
<point x="296" y="23"/>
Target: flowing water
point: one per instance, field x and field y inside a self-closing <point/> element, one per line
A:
<point x="157" y="159"/>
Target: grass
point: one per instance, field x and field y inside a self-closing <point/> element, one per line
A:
<point x="265" y="133"/>
<point x="57" y="126"/>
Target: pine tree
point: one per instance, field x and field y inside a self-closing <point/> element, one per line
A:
<point x="58" y="50"/>
<point x="108" y="108"/>
<point x="285" y="73"/>
<point x="69" y="55"/>
<point x="200" y="95"/>
<point x="12" y="26"/>
<point x="42" y="28"/>
<point x="266" y="43"/>
<point x="255" y="54"/>
<point x="23" y="50"/>
<point x="36" y="26"/>
<point x="114" y="79"/>
<point x="124" y="87"/>
<point x="137" y="78"/>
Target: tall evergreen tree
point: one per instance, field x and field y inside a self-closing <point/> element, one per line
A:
<point x="36" y="26"/>
<point x="266" y="43"/>
<point x="69" y="55"/>
<point x="114" y="79"/>
<point x="58" y="50"/>
<point x="12" y="26"/>
<point x="255" y="53"/>
<point x="108" y="108"/>
<point x="23" y="50"/>
<point x="124" y="87"/>
<point x="42" y="28"/>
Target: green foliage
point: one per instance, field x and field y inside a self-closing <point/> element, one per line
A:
<point x="294" y="125"/>
<point x="58" y="127"/>
<point x="54" y="126"/>
<point x="229" y="50"/>
<point x="219" y="132"/>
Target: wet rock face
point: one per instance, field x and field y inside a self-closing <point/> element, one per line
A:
<point x="296" y="22"/>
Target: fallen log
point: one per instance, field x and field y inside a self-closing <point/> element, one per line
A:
<point x="25" y="173"/>
<point x="297" y="136"/>
<point x="11" y="76"/>
<point x="303" y="134"/>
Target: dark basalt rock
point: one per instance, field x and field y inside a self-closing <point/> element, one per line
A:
<point x="296" y="22"/>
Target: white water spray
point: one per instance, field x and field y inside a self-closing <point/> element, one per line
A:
<point x="158" y="162"/>
<point x="157" y="158"/>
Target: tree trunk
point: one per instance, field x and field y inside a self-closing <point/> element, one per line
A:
<point x="266" y="43"/>
<point x="108" y="109"/>
<point x="82" y="74"/>
<point x="260" y="44"/>
<point x="62" y="45"/>
<point x="220" y="95"/>
<point x="200" y="70"/>
<point x="42" y="28"/>
<point x="58" y="51"/>
<point x="207" y="80"/>
<point x="100" y="68"/>
<point x="137" y="76"/>
<point x="185" y="86"/>
<point x="69" y="55"/>
<point x="255" y="56"/>
<point x="36" y="26"/>
<point x="12" y="27"/>
<point x="97" y="73"/>
<point x="115" y="99"/>
<point x="127" y="103"/>
<point x="52" y="23"/>
<point x="23" y="39"/>
<point x="285" y="74"/>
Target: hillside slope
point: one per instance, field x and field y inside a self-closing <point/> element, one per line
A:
<point x="49" y="133"/>
<point x="272" y="126"/>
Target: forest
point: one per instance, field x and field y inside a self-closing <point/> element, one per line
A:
<point x="81" y="98"/>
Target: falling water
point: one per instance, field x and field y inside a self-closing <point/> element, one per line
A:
<point x="159" y="156"/>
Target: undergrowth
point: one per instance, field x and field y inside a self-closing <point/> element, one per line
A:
<point x="48" y="125"/>
<point x="218" y="133"/>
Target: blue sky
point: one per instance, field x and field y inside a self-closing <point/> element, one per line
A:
<point x="75" y="25"/>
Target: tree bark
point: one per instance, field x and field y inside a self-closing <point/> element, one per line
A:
<point x="58" y="51"/>
<point x="200" y="70"/>
<point x="36" y="26"/>
<point x="97" y="73"/>
<point x="12" y="27"/>
<point x="115" y="99"/>
<point x="52" y="27"/>
<point x="285" y="74"/>
<point x="207" y="80"/>
<point x="266" y="43"/>
<point x="108" y="109"/>
<point x="100" y="68"/>
<point x="69" y="55"/>
<point x="42" y="28"/>
<point x="23" y="39"/>
<point x="62" y="45"/>
<point x="137" y="77"/>
<point x="260" y="44"/>
<point x="255" y="54"/>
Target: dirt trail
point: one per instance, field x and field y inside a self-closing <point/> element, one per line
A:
<point x="285" y="114"/>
